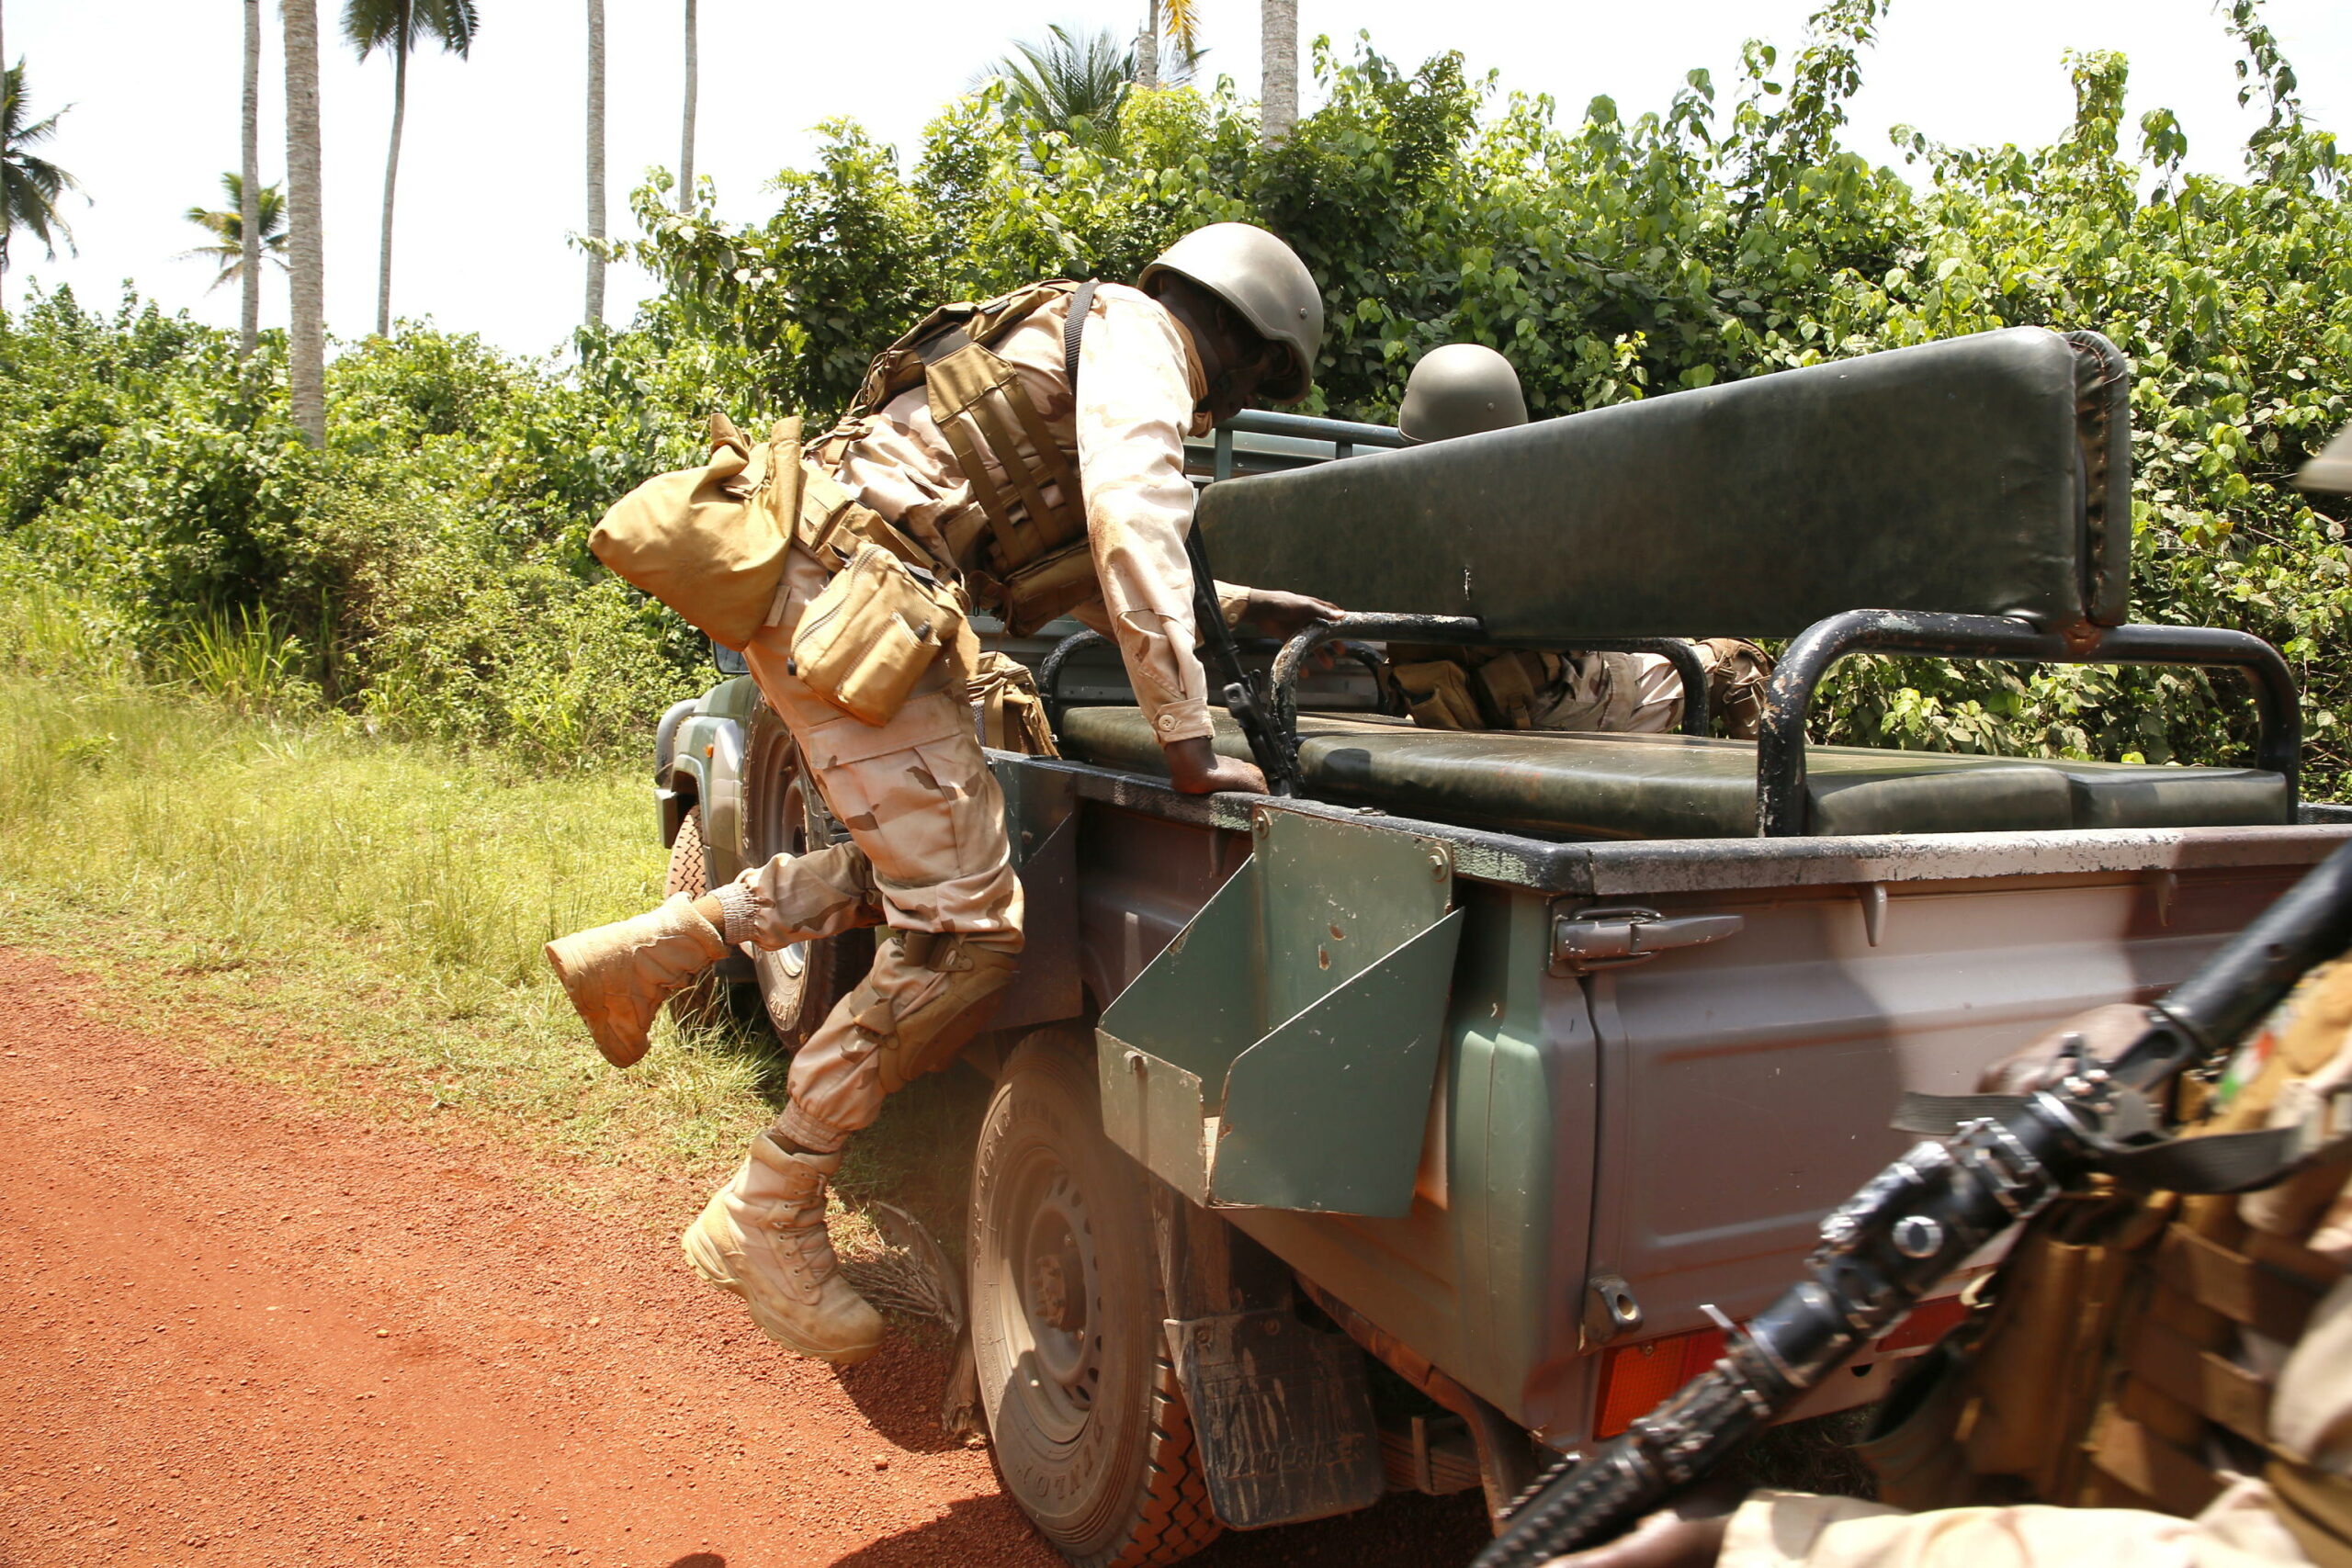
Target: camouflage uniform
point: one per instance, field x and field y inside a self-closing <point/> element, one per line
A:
<point x="927" y="851"/>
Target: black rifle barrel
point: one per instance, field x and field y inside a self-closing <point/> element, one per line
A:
<point x="1911" y="1225"/>
<point x="1244" y="698"/>
<point x="2311" y="923"/>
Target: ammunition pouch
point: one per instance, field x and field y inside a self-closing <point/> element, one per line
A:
<point x="1437" y="693"/>
<point x="1005" y="703"/>
<point x="1048" y="587"/>
<point x="876" y="629"/>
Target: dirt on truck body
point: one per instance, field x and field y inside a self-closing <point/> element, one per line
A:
<point x="1405" y="1132"/>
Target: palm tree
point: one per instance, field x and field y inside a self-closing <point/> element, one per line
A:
<point x="595" y="311"/>
<point x="399" y="26"/>
<point x="1278" y="51"/>
<point x="230" y="250"/>
<point x="30" y="185"/>
<point x="686" y="139"/>
<point x="306" y="344"/>
<point x="1070" y="85"/>
<point x="1176" y="23"/>
<point x="249" y="219"/>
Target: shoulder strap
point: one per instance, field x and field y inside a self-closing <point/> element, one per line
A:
<point x="1081" y="302"/>
<point x="2217" y="1163"/>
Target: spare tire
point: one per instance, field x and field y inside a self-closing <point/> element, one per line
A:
<point x="711" y="1000"/>
<point x="1087" y="1421"/>
<point x="784" y="813"/>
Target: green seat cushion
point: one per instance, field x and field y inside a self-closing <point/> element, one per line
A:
<point x="1671" y="786"/>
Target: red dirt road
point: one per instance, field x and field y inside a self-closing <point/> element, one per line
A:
<point x="234" y="1330"/>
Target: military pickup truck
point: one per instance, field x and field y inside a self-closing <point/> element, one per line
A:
<point x="1437" y="1116"/>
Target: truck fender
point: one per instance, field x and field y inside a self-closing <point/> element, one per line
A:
<point x="706" y="770"/>
<point x="665" y="735"/>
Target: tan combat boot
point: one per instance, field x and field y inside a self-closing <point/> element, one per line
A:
<point x="619" y="975"/>
<point x="762" y="1237"/>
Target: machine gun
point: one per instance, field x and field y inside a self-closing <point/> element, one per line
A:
<point x="1920" y="1217"/>
<point x="1244" y="697"/>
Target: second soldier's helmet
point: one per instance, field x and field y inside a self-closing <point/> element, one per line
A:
<point x="1460" y="390"/>
<point x="1265" y="283"/>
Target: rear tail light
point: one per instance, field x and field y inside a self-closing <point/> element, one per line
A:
<point x="1636" y="1379"/>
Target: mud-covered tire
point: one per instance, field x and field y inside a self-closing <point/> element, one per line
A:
<point x="1086" y="1419"/>
<point x="783" y="814"/>
<point x="709" y="1001"/>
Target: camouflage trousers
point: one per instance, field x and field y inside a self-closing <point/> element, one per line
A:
<point x="927" y="855"/>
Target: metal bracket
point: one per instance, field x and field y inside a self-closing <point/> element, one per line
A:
<point x="1613" y="938"/>
<point x="1609" y="1310"/>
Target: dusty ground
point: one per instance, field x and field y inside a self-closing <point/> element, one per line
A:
<point x="234" y="1330"/>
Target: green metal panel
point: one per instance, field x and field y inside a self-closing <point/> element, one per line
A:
<point x="1281" y="1051"/>
<point x="1337" y="896"/>
<point x="1327" y="1112"/>
<point x="1195" y="1005"/>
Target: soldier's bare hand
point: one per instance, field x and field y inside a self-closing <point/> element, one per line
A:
<point x="2106" y="1030"/>
<point x="1277" y="614"/>
<point x="1665" y="1540"/>
<point x="1196" y="767"/>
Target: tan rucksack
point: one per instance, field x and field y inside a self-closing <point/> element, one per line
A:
<point x="710" y="542"/>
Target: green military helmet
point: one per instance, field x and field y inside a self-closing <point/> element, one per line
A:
<point x="1460" y="390"/>
<point x="2331" y="471"/>
<point x="1263" y="280"/>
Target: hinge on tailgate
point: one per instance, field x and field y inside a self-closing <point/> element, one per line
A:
<point x="1612" y="938"/>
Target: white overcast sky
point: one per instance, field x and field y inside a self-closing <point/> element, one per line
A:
<point x="491" y="177"/>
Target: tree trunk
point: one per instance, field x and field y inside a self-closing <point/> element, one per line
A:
<point x="249" y="203"/>
<point x="1148" y="47"/>
<point x="306" y="359"/>
<point x="4" y="226"/>
<point x="391" y="178"/>
<point x="595" y="311"/>
<point x="686" y="139"/>
<point x="1278" y="51"/>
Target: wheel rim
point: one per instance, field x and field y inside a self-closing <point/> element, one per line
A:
<point x="782" y="828"/>
<point x="1048" y="1299"/>
<point x="794" y="958"/>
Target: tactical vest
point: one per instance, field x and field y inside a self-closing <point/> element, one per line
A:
<point x="2102" y="1374"/>
<point x="1034" y="562"/>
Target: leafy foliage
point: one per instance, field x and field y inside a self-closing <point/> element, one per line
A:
<point x="30" y="185"/>
<point x="1071" y="85"/>
<point x="398" y="27"/>
<point x="426" y="573"/>
<point x="227" y="227"/>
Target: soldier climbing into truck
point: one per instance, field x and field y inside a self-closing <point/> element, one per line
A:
<point x="1025" y="455"/>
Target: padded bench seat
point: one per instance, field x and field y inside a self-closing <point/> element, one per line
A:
<point x="1552" y="784"/>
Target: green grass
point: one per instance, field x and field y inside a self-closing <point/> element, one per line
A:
<point x="361" y="917"/>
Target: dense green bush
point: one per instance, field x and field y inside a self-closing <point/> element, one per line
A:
<point x="429" y="565"/>
<point x="428" y="570"/>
